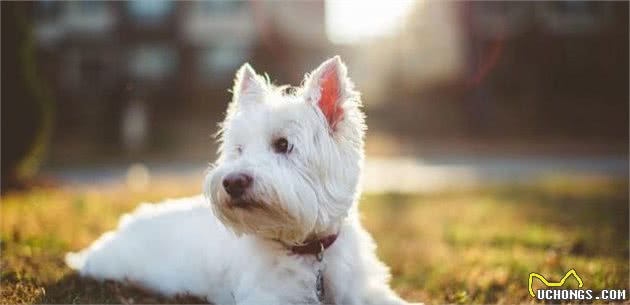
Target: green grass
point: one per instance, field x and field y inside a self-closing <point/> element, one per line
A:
<point x="450" y="247"/>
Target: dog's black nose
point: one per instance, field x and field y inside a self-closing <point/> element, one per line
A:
<point x="236" y="184"/>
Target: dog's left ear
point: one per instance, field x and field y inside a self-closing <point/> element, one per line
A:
<point x="328" y="87"/>
<point x="248" y="86"/>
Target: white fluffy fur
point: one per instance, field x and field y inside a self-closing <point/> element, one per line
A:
<point x="205" y="247"/>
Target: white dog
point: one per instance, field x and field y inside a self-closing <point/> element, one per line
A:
<point x="278" y="223"/>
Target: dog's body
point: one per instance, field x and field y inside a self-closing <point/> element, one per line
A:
<point x="287" y="175"/>
<point x="153" y="248"/>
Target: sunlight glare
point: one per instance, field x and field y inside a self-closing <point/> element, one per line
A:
<point x="350" y="21"/>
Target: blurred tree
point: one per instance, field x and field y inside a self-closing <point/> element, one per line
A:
<point x="27" y="108"/>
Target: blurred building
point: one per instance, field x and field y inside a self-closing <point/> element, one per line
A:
<point x="555" y="68"/>
<point x="152" y="75"/>
<point x="170" y="62"/>
<point x="476" y="69"/>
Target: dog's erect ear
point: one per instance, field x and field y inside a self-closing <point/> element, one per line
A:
<point x="328" y="87"/>
<point x="248" y="87"/>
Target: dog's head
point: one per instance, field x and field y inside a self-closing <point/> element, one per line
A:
<point x="290" y="162"/>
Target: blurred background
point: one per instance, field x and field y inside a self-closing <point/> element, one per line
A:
<point x="478" y="85"/>
<point x="458" y="95"/>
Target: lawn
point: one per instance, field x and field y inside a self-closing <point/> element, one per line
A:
<point x="473" y="246"/>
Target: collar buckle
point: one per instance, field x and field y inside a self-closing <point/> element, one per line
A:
<point x="315" y="247"/>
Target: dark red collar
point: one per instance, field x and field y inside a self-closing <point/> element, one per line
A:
<point x="315" y="247"/>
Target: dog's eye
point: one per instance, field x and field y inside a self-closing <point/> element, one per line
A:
<point x="282" y="146"/>
<point x="239" y="149"/>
